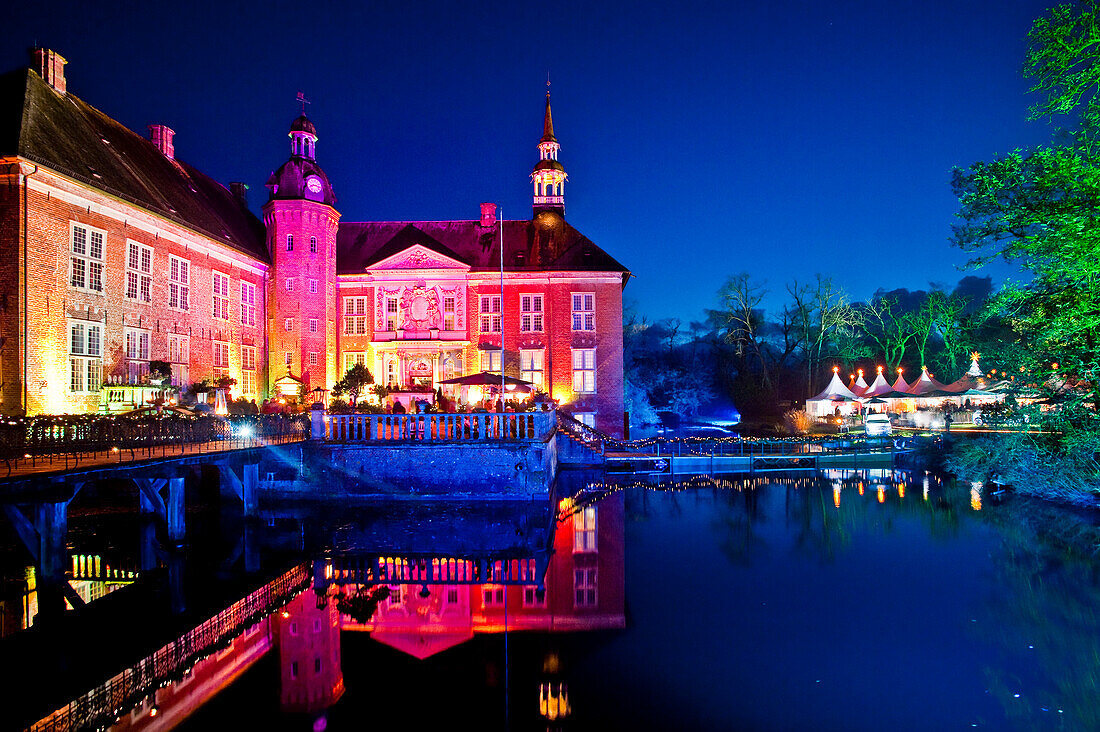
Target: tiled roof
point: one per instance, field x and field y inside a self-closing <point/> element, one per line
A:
<point x="71" y="137"/>
<point x="546" y="243"/>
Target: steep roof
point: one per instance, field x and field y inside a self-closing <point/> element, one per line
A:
<point x="545" y="243"/>
<point x="834" y="392"/>
<point x="69" y="136"/>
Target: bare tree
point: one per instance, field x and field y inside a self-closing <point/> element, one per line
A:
<point x="739" y="302"/>
<point x="887" y="328"/>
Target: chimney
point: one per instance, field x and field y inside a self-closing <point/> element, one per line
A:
<point x="240" y="192"/>
<point x="488" y="215"/>
<point x="50" y="65"/>
<point x="161" y="136"/>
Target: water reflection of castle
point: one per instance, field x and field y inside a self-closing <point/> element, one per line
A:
<point x="583" y="589"/>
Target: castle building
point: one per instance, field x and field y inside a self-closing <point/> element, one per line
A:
<point x="116" y="253"/>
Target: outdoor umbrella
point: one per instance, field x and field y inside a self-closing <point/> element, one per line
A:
<point x="486" y="378"/>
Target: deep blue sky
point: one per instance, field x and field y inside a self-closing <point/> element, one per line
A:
<point x="701" y="139"/>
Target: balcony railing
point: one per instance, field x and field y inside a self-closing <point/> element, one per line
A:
<point x="443" y="427"/>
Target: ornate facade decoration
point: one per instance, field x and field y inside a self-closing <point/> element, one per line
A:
<point x="420" y="308"/>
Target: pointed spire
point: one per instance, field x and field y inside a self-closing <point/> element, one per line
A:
<point x="548" y="122"/>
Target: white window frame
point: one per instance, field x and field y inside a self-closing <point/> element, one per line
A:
<point x="179" y="356"/>
<point x="532" y="364"/>
<point x="449" y="318"/>
<point x="585" y="587"/>
<point x="248" y="303"/>
<point x="219" y="286"/>
<point x="138" y="283"/>
<point x="355" y="315"/>
<point x="313" y="325"/>
<point x="353" y="357"/>
<point x="531" y="312"/>
<point x="391" y="313"/>
<point x="85" y="356"/>
<point x="491" y="361"/>
<point x="84" y="241"/>
<point x="312" y="286"/>
<point x="288" y="324"/>
<point x="585" y="538"/>
<point x="136" y="346"/>
<point x="221" y="358"/>
<point x="290" y="242"/>
<point x="248" y="370"/>
<point x="490" y="313"/>
<point x="179" y="283"/>
<point x="584" y="370"/>
<point x="583" y="314"/>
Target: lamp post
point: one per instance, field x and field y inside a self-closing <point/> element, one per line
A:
<point x="320" y="396"/>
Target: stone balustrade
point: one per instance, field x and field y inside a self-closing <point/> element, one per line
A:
<point x="443" y="427"/>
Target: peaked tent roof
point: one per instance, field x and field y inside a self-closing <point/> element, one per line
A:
<point x="925" y="384"/>
<point x="835" y="391"/>
<point x="73" y="138"/>
<point x="878" y="387"/>
<point x="900" y="385"/>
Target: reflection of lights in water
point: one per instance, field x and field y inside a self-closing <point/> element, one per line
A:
<point x="926" y="485"/>
<point x="861" y="487"/>
<point x="976" y="495"/>
<point x="836" y="496"/>
<point x="881" y="494"/>
<point x="901" y="490"/>
<point x="553" y="699"/>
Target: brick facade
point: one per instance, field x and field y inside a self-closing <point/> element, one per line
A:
<point x="258" y="311"/>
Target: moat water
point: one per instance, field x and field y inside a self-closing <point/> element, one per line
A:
<point x="843" y="601"/>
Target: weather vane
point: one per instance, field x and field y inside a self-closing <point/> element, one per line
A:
<point x="303" y="101"/>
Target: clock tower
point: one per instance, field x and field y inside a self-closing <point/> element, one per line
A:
<point x="301" y="221"/>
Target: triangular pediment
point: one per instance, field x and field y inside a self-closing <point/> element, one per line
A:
<point x="419" y="256"/>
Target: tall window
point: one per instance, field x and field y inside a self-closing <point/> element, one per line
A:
<point x="490" y="361"/>
<point x="449" y="312"/>
<point x="248" y="303"/>
<point x="288" y="357"/>
<point x="313" y="287"/>
<point x="221" y="359"/>
<point x="86" y="260"/>
<point x="313" y="244"/>
<point x="313" y="325"/>
<point x="533" y="597"/>
<point x="137" y="353"/>
<point x="179" y="283"/>
<point x="221" y="295"/>
<point x="85" y="354"/>
<point x="290" y="242"/>
<point x="530" y="365"/>
<point x="490" y="313"/>
<point x="584" y="311"/>
<point x="355" y="315"/>
<point x="248" y="370"/>
<point x="584" y="587"/>
<point x="584" y="530"/>
<point x="350" y="359"/>
<point x="139" y="271"/>
<point x="288" y="324"/>
<point x="584" y="370"/>
<point x="290" y="284"/>
<point x="530" y="313"/>
<point x="391" y="313"/>
<point x="313" y="358"/>
<point x="179" y="355"/>
<point x="492" y="596"/>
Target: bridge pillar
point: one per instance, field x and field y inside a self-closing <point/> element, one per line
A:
<point x="250" y="487"/>
<point x="317" y="422"/>
<point x="175" y="508"/>
<point x="51" y="524"/>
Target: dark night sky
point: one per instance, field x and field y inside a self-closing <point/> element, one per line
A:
<point x="701" y="139"/>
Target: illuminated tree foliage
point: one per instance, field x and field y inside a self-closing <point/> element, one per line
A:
<point x="1041" y="208"/>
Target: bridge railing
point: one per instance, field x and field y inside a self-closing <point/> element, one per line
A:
<point x="75" y="436"/>
<point x="435" y="427"/>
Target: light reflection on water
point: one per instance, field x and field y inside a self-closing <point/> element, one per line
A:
<point x="848" y="600"/>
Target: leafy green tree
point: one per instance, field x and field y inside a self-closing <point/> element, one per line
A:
<point x="354" y="381"/>
<point x="1041" y="208"/>
<point x="887" y="328"/>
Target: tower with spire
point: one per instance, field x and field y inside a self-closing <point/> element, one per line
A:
<point x="301" y="221"/>
<point x="549" y="176"/>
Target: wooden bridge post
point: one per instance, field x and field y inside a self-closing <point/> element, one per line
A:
<point x="250" y="488"/>
<point x="176" y="511"/>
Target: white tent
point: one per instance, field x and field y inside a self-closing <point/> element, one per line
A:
<point x="925" y="384"/>
<point x="878" y="386"/>
<point x="835" y="395"/>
